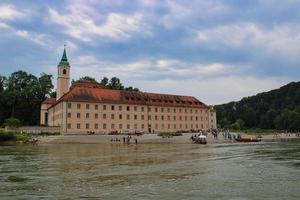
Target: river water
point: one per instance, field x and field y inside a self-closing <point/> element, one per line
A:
<point x="236" y="171"/>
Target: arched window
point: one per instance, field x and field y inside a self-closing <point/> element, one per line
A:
<point x="64" y="71"/>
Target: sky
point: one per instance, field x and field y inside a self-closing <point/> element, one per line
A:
<point x="215" y="50"/>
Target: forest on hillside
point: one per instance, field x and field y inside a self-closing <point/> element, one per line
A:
<point x="277" y="109"/>
<point x="22" y="93"/>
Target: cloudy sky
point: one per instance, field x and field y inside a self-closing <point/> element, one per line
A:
<point x="215" y="50"/>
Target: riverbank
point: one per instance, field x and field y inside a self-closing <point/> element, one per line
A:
<point x="144" y="139"/>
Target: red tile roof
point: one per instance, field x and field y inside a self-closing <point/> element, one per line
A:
<point x="49" y="101"/>
<point x="87" y="91"/>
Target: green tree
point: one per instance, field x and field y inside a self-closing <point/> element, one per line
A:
<point x="45" y="84"/>
<point x="267" y="120"/>
<point x="53" y="94"/>
<point x="249" y="117"/>
<point x="2" y="83"/>
<point x="104" y="81"/>
<point x="224" y="122"/>
<point x="12" y="123"/>
<point x="87" y="78"/>
<point x="23" y="95"/>
<point x="241" y="123"/>
<point x="130" y="88"/>
<point x="235" y="126"/>
<point x="294" y="120"/>
<point x="282" y="120"/>
<point x="115" y="83"/>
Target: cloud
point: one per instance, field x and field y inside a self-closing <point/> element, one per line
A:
<point x="215" y="50"/>
<point x="213" y="91"/>
<point x="9" y="12"/>
<point x="39" y="39"/>
<point x="3" y="25"/>
<point x="150" y="69"/>
<point x="281" y="39"/>
<point x="181" y="14"/>
<point x="213" y="68"/>
<point x="83" y="25"/>
<point x="199" y="80"/>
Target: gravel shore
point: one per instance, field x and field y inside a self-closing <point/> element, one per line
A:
<point x="144" y="139"/>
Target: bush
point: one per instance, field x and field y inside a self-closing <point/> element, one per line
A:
<point x="13" y="136"/>
<point x="12" y="123"/>
<point x="22" y="136"/>
<point x="6" y="136"/>
<point x="235" y="126"/>
<point x="49" y="133"/>
<point x="169" y="134"/>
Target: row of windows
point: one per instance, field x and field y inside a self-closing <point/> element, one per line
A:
<point x="135" y="117"/>
<point x="142" y="126"/>
<point x="163" y="101"/>
<point x="135" y="108"/>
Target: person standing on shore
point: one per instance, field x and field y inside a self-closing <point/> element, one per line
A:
<point x="135" y="140"/>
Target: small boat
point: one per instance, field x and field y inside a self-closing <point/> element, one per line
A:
<point x="247" y="139"/>
<point x="201" y="139"/>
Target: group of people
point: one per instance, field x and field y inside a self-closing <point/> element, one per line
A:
<point x="115" y="140"/>
<point x="286" y="135"/>
<point x="231" y="136"/>
<point x="126" y="140"/>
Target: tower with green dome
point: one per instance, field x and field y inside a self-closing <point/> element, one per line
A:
<point x="63" y="76"/>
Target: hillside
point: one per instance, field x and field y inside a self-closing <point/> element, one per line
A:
<point x="277" y="109"/>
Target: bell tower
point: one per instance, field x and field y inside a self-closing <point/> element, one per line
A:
<point x="63" y="76"/>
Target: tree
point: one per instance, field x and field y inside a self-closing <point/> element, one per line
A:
<point x="87" y="78"/>
<point x="224" y="122"/>
<point x="250" y="117"/>
<point x="130" y="88"/>
<point x="115" y="83"/>
<point x="104" y="81"/>
<point x="45" y="83"/>
<point x="267" y="110"/>
<point x="294" y="120"/>
<point x="22" y="96"/>
<point x="2" y="83"/>
<point x="53" y="94"/>
<point x="12" y="123"/>
<point x="235" y="126"/>
<point x="241" y="123"/>
<point x="267" y="120"/>
<point x="281" y="121"/>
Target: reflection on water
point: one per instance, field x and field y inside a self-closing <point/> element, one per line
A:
<point x="151" y="171"/>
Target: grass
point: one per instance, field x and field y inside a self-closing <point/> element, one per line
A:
<point x="169" y="134"/>
<point x="7" y="136"/>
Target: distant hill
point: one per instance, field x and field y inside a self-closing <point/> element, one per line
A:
<point x="277" y="109"/>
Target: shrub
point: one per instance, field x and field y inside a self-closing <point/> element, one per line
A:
<point x="169" y="134"/>
<point x="6" y="136"/>
<point x="49" y="133"/>
<point x="13" y="136"/>
<point x="12" y="123"/>
<point x="22" y="136"/>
